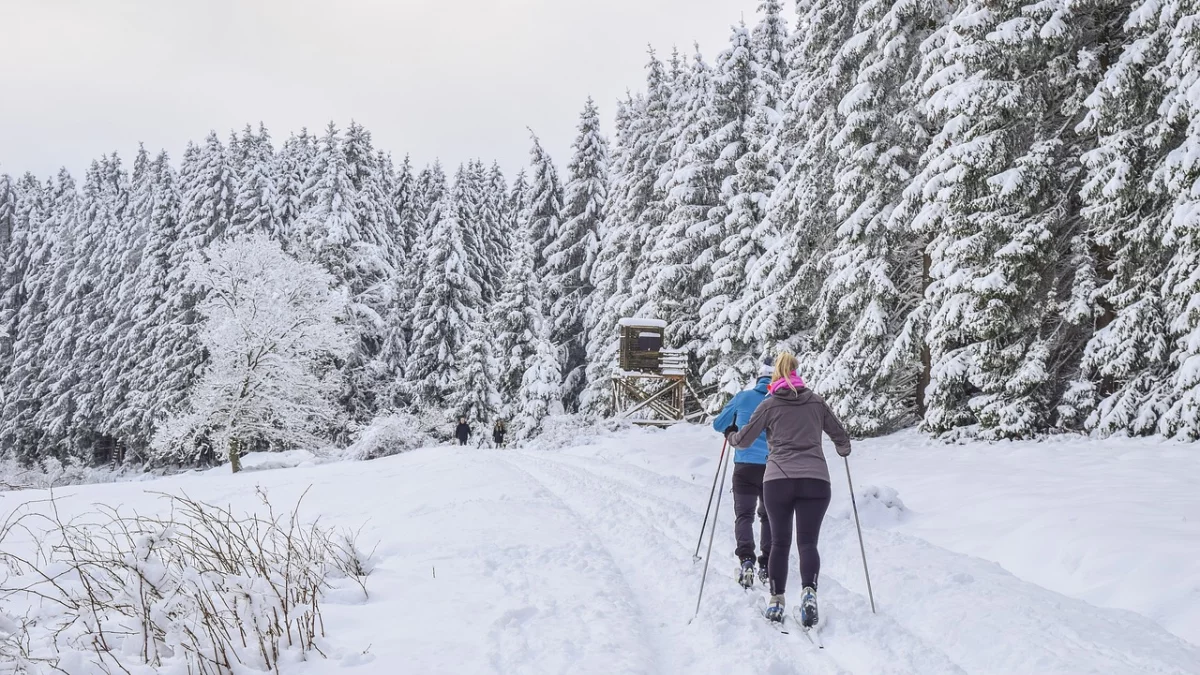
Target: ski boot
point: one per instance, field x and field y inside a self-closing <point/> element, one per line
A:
<point x="808" y="607"/>
<point x="763" y="576"/>
<point x="774" y="610"/>
<point x="746" y="574"/>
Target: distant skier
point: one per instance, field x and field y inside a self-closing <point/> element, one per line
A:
<point x="797" y="478"/>
<point x="463" y="431"/>
<point x="498" y="432"/>
<point x="749" y="465"/>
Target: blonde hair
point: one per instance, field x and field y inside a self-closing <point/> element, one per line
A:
<point x="785" y="364"/>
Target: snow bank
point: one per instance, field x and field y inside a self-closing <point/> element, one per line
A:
<point x="270" y="461"/>
<point x="878" y="506"/>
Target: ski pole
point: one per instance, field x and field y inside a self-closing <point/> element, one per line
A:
<point x="720" y="461"/>
<point x="858" y="526"/>
<point x="712" y="531"/>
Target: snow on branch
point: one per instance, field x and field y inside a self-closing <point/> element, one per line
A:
<point x="274" y="331"/>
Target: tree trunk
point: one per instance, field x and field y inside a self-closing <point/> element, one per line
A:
<point x="926" y="358"/>
<point x="235" y="457"/>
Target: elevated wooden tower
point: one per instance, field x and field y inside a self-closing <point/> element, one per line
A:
<point x="650" y="384"/>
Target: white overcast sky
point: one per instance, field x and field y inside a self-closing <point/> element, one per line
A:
<point x="446" y="79"/>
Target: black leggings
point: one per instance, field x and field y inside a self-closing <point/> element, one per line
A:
<point x="807" y="499"/>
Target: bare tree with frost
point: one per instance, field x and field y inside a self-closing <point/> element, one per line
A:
<point x="274" y="327"/>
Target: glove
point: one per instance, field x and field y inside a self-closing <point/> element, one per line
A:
<point x="730" y="430"/>
<point x="844" y="452"/>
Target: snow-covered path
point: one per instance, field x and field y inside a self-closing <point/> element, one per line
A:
<point x="580" y="561"/>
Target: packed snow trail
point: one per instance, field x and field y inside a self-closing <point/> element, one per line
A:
<point x="579" y="561"/>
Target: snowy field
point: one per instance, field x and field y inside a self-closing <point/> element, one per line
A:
<point x="1057" y="557"/>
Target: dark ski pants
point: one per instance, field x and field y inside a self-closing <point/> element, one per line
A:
<point x="807" y="499"/>
<point x="747" y="494"/>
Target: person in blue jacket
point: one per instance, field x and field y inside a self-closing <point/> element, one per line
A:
<point x="749" y="464"/>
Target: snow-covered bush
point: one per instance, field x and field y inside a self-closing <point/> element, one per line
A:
<point x="878" y="506"/>
<point x="50" y="472"/>
<point x="201" y="590"/>
<point x="388" y="435"/>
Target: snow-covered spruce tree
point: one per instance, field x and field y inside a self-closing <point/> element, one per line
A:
<point x="758" y="172"/>
<point x="571" y="257"/>
<point x="474" y="395"/>
<point x="124" y="336"/>
<point x="493" y="221"/>
<point x="377" y="218"/>
<point x="603" y="310"/>
<point x="26" y="191"/>
<point x="445" y="310"/>
<point x="1179" y="176"/>
<point x="56" y="391"/>
<point x="371" y="372"/>
<point x="431" y="188"/>
<point x="273" y="326"/>
<point x="90" y="303"/>
<point x="541" y="386"/>
<point x="728" y="361"/>
<point x="24" y="307"/>
<point x="637" y="201"/>
<point x="122" y="244"/>
<point x="8" y="208"/>
<point x="296" y="158"/>
<point x="635" y="209"/>
<point x="641" y="187"/>
<point x="784" y="282"/>
<point x="543" y="204"/>
<point x="864" y="362"/>
<point x="517" y="205"/>
<point x="334" y="233"/>
<point x="257" y="202"/>
<point x="1126" y="363"/>
<point x="750" y="82"/>
<point x="467" y="193"/>
<point x="516" y="319"/>
<point x="155" y="378"/>
<point x="397" y="324"/>
<point x="176" y="354"/>
<point x="404" y="202"/>
<point x="769" y="44"/>
<point x="209" y="191"/>
<point x="693" y="190"/>
<point x="997" y="196"/>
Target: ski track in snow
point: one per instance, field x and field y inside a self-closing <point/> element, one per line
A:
<point x="580" y="561"/>
<point x="729" y="614"/>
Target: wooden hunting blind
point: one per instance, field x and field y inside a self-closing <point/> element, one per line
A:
<point x="650" y="385"/>
<point x="641" y="344"/>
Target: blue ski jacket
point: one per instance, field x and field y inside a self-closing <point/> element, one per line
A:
<point x="738" y="411"/>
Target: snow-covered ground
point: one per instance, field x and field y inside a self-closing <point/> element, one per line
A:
<point x="579" y="559"/>
<point x="1114" y="522"/>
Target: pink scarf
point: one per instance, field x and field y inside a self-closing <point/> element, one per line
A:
<point x="793" y="380"/>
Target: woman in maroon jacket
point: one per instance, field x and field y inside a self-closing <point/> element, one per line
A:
<point x="796" y="482"/>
